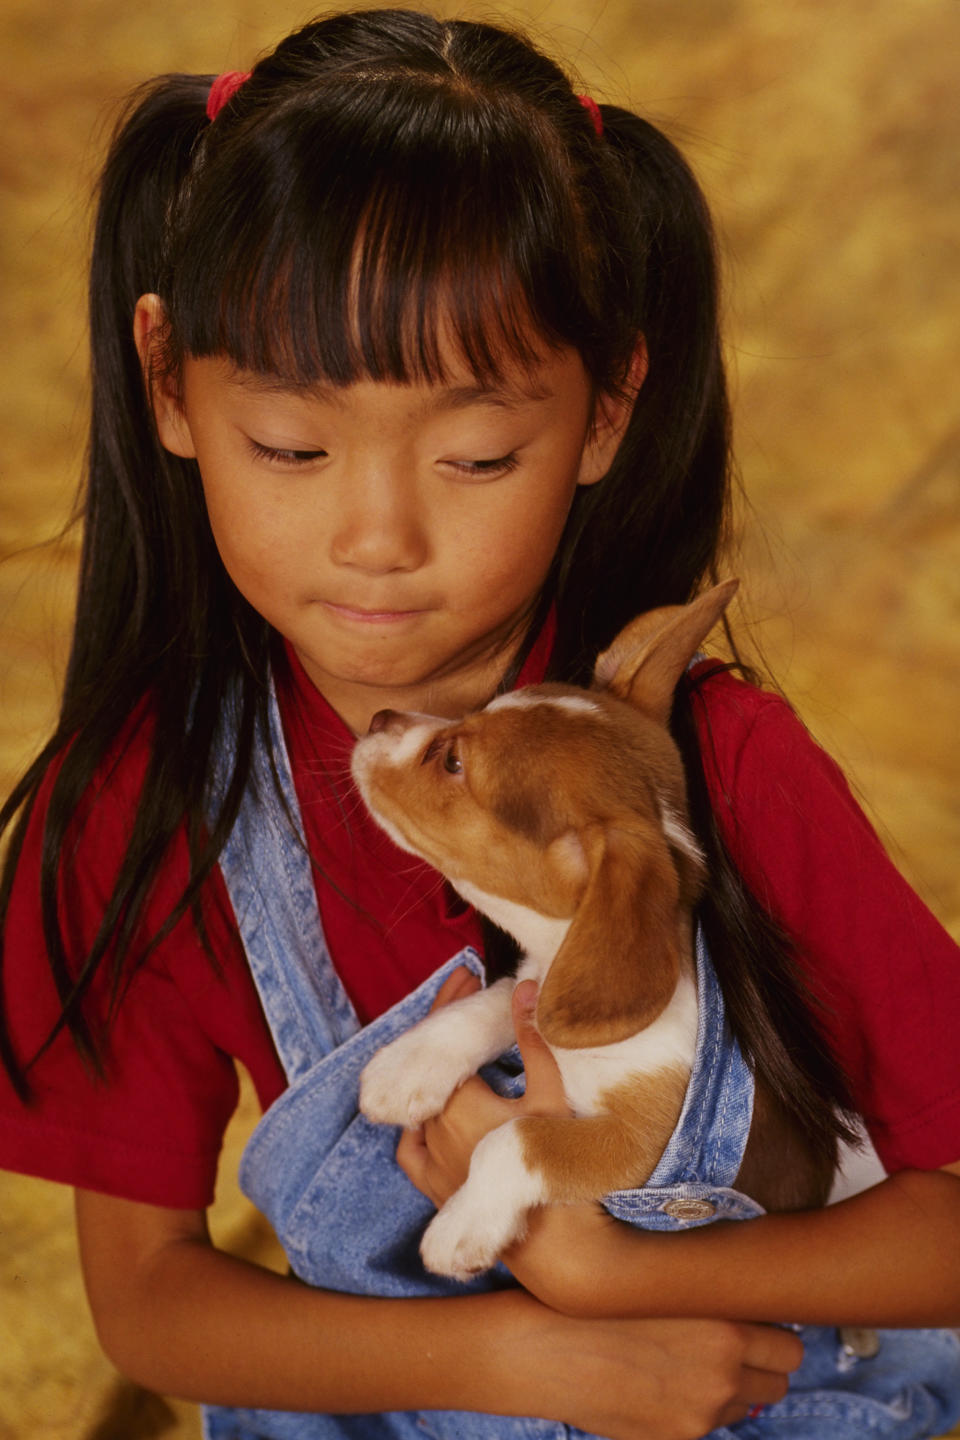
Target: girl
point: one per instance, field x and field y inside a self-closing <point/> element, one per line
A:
<point x="407" y="388"/>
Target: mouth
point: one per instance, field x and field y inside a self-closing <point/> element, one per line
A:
<point x="357" y="615"/>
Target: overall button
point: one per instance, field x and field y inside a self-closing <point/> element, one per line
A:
<point x="859" y="1343"/>
<point x="689" y="1209"/>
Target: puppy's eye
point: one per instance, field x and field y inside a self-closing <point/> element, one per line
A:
<point x="445" y="750"/>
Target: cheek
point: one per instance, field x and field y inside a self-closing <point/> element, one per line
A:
<point x="513" y="549"/>
<point x="517" y="571"/>
<point x="255" y="549"/>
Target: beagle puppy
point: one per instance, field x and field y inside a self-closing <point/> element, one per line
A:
<point x="561" y="814"/>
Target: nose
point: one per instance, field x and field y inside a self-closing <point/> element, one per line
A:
<point x="379" y="527"/>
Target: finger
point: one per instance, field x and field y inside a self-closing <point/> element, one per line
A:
<point x="772" y="1348"/>
<point x="764" y="1387"/>
<point x="545" y="1094"/>
<point x="771" y="1353"/>
<point x="470" y="1112"/>
<point x="458" y="983"/>
<point x="758" y="1389"/>
<point x="411" y="1153"/>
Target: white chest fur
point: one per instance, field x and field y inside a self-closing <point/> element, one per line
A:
<point x="670" y="1041"/>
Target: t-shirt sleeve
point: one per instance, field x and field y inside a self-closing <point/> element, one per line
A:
<point x="886" y="972"/>
<point x="151" y="1128"/>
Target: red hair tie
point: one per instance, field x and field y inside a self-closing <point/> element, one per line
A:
<point x="223" y="89"/>
<point x="593" y="110"/>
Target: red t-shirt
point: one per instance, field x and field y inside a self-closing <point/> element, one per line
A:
<point x="886" y="970"/>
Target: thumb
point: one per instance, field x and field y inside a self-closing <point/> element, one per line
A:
<point x="545" y="1094"/>
<point x="459" y="982"/>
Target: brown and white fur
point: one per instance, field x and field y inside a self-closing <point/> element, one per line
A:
<point x="561" y="814"/>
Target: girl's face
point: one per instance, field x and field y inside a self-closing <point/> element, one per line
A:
<point x="396" y="535"/>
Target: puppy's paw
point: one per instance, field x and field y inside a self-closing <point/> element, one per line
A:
<point x="407" y="1082"/>
<point x="489" y="1211"/>
<point x="466" y="1237"/>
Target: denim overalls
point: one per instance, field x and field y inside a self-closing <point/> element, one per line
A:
<point x="349" y="1219"/>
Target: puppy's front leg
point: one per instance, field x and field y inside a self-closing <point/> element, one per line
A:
<point x="489" y="1211"/>
<point x="413" y="1077"/>
<point x="538" y="1160"/>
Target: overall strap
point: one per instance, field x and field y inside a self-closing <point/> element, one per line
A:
<point x="692" y="1183"/>
<point x="711" y="1134"/>
<point x="269" y="877"/>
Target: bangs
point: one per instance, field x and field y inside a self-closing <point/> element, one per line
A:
<point x="372" y="232"/>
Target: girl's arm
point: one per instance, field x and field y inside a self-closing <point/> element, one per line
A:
<point x="887" y="1257"/>
<point x="183" y="1318"/>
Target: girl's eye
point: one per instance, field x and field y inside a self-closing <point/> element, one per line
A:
<point x="486" y="469"/>
<point x="275" y="456"/>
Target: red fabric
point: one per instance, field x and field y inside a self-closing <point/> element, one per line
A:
<point x="886" y="971"/>
<point x="883" y="965"/>
<point x="153" y="1130"/>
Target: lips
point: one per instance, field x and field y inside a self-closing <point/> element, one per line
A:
<point x="363" y="616"/>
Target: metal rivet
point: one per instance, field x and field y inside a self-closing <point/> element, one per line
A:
<point x="689" y="1209"/>
<point x="859" y="1343"/>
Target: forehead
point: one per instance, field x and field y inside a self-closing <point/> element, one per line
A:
<point x="554" y="376"/>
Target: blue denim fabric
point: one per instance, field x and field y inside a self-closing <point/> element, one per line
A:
<point x="349" y="1219"/>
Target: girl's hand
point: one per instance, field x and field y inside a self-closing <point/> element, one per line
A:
<point x="566" y="1246"/>
<point x="660" y="1379"/>
<point x="566" y="1249"/>
<point x="436" y="1157"/>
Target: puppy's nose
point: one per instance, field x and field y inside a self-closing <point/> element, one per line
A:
<point x="382" y="720"/>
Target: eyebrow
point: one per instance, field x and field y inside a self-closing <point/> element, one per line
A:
<point x="456" y="397"/>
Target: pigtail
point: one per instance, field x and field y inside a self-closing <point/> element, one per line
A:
<point x="160" y="637"/>
<point x="649" y="534"/>
<point x="129" y="475"/>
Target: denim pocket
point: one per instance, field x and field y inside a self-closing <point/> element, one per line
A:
<point x="328" y="1181"/>
<point x="358" y="1223"/>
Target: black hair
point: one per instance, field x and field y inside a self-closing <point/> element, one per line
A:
<point x="381" y="174"/>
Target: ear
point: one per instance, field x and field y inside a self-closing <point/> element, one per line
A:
<point x="650" y="654"/>
<point x="149" y="330"/>
<point x="611" y="417"/>
<point x="619" y="963"/>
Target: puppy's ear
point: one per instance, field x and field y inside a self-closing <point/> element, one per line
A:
<point x="618" y="965"/>
<point x="650" y="654"/>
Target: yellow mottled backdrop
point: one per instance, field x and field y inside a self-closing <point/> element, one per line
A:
<point x="827" y="136"/>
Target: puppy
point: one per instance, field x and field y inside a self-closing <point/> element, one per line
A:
<point x="561" y="814"/>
